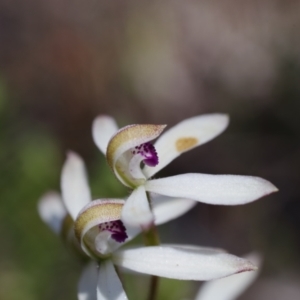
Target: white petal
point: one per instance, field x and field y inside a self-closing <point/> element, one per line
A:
<point x="166" y="209"/>
<point x="109" y="285"/>
<point x="52" y="211"/>
<point x="136" y="211"/>
<point x="186" y="263"/>
<point x="87" y="286"/>
<point x="75" y="189"/>
<point x="185" y="136"/>
<point x="103" y="128"/>
<point x="212" y="189"/>
<point x="231" y="287"/>
<point x="188" y="247"/>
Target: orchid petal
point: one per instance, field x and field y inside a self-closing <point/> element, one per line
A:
<point x="166" y="209"/>
<point x="186" y="263"/>
<point x="75" y="189"/>
<point x="52" y="211"/>
<point x="231" y="287"/>
<point x="136" y="211"/>
<point x="125" y="139"/>
<point x="185" y="136"/>
<point x="188" y="247"/>
<point x="87" y="286"/>
<point x="212" y="189"/>
<point x="109" y="286"/>
<point x="93" y="214"/>
<point x="103" y="128"/>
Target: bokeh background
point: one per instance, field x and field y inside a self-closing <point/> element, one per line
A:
<point x="63" y="62"/>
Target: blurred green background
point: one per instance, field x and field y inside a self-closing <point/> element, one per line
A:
<point x="64" y="62"/>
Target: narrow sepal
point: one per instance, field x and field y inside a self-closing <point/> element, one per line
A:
<point x="185" y="263"/>
<point x="103" y="128"/>
<point x="87" y="286"/>
<point x="109" y="286"/>
<point x="212" y="189"/>
<point x="74" y="185"/>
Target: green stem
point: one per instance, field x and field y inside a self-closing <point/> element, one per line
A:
<point x="151" y="238"/>
<point x="153" y="288"/>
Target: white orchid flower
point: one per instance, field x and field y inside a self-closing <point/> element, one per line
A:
<point x="100" y="232"/>
<point x="127" y="148"/>
<point x="229" y="288"/>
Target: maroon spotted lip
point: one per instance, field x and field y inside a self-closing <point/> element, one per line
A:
<point x="117" y="229"/>
<point x="148" y="151"/>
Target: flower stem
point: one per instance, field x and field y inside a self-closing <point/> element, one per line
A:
<point x="153" y="288"/>
<point x="151" y="238"/>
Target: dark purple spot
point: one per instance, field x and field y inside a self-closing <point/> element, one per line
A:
<point x="117" y="229"/>
<point x="149" y="154"/>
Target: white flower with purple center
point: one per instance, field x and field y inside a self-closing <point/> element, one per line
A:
<point x="100" y="233"/>
<point x="134" y="160"/>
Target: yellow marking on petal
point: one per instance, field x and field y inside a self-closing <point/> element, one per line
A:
<point x="184" y="144"/>
<point x="104" y="212"/>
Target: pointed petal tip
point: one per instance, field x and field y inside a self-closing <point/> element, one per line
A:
<point x="222" y="116"/>
<point x="160" y="128"/>
<point x="255" y="257"/>
<point x="48" y="195"/>
<point x="248" y="266"/>
<point x="70" y="154"/>
<point x="73" y="160"/>
<point x="226" y="118"/>
<point x="222" y="119"/>
<point x="102" y="121"/>
<point x="157" y="129"/>
<point x="103" y="117"/>
<point x="274" y="189"/>
<point x="270" y="188"/>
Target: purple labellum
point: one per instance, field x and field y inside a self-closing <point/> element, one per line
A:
<point x="148" y="152"/>
<point x="117" y="229"/>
